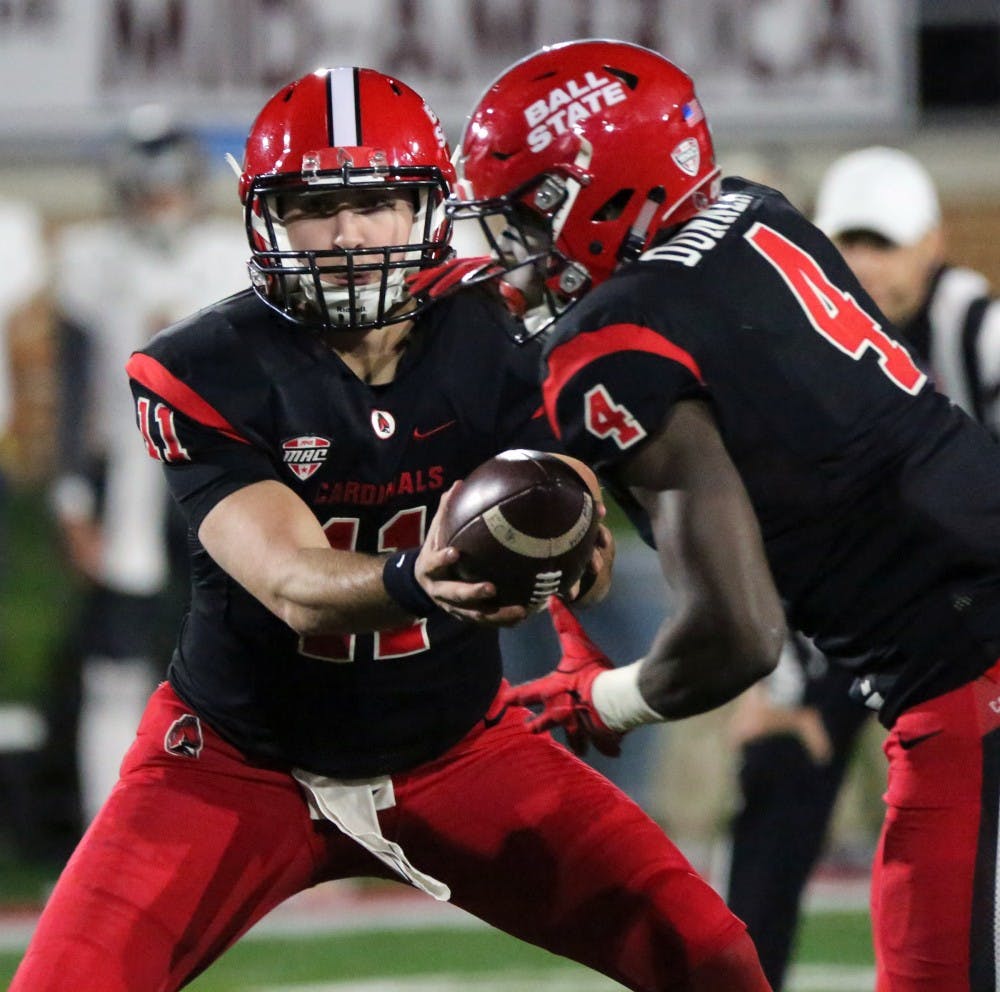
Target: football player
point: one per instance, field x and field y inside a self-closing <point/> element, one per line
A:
<point x="716" y="360"/>
<point x="329" y="711"/>
<point x="797" y="733"/>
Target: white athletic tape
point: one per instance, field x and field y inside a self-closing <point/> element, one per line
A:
<point x="618" y="701"/>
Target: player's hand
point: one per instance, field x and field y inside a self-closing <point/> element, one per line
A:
<point x="757" y="716"/>
<point x="469" y="601"/>
<point x="596" y="581"/>
<point x="442" y="279"/>
<point x="565" y="694"/>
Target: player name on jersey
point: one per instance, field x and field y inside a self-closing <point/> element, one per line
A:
<point x="703" y="233"/>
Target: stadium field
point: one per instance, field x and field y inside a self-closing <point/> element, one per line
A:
<point x="370" y="941"/>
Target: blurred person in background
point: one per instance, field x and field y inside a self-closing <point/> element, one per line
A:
<point x="118" y="280"/>
<point x="22" y="280"/>
<point x="797" y="730"/>
<point x="24" y="399"/>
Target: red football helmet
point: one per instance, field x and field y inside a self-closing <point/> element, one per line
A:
<point x="334" y="129"/>
<point x="576" y="157"/>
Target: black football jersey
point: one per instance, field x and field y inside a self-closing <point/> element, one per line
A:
<point x="237" y="395"/>
<point x="879" y="501"/>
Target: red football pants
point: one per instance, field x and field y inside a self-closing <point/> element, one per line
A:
<point x="934" y="896"/>
<point x="190" y="851"/>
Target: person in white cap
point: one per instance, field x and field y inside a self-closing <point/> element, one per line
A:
<point x="880" y="207"/>
<point x="797" y="730"/>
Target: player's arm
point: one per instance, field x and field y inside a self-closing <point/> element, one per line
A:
<point x="728" y="624"/>
<point x="262" y="534"/>
<point x="268" y="540"/>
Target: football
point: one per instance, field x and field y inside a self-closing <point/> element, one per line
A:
<point x="525" y="521"/>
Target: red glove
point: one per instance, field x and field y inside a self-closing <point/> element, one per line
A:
<point x="565" y="694"/>
<point x="441" y="279"/>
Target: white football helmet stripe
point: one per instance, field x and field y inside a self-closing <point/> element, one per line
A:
<point x="343" y="97"/>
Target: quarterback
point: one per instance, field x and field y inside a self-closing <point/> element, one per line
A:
<point x="334" y="704"/>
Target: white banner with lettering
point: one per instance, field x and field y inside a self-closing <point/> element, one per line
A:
<point x="762" y="67"/>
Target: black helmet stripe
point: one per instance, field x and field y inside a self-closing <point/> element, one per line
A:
<point x="344" y="107"/>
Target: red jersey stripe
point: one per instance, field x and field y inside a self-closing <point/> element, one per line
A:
<point x="156" y="377"/>
<point x="567" y="359"/>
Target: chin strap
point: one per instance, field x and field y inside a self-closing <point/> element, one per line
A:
<point x="635" y="241"/>
<point x="337" y="299"/>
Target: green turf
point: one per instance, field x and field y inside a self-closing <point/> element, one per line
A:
<point x="843" y="937"/>
<point x="37" y="597"/>
<point x="831" y="938"/>
<point x="22" y="882"/>
<point x="371" y="954"/>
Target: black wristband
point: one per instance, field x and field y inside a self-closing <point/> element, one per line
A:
<point x="400" y="581"/>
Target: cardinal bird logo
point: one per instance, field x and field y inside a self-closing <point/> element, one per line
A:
<point x="184" y="737"/>
<point x="383" y="423"/>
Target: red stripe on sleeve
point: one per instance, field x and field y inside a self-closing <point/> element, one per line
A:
<point x="156" y="377"/>
<point x="567" y="359"/>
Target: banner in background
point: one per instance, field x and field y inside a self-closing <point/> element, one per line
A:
<point x="762" y="66"/>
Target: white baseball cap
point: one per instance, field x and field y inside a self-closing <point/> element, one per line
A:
<point x="878" y="189"/>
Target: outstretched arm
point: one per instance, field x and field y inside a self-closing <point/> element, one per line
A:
<point x="270" y="542"/>
<point x="728" y="623"/>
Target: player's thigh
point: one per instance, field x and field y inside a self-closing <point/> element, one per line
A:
<point x="922" y="897"/>
<point x="192" y="847"/>
<point x="936" y="868"/>
<point x="537" y="843"/>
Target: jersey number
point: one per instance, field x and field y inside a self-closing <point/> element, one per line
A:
<point x="606" y="418"/>
<point x="404" y="530"/>
<point x="832" y="312"/>
<point x="157" y="426"/>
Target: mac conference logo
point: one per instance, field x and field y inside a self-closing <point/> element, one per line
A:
<point x="304" y="455"/>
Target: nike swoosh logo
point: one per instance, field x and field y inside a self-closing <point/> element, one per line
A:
<point x="906" y="743"/>
<point x="419" y="435"/>
<point x="493" y="721"/>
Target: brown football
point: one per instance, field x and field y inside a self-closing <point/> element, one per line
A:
<point x="525" y="521"/>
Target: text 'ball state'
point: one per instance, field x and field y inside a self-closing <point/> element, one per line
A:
<point x="525" y="521"/>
